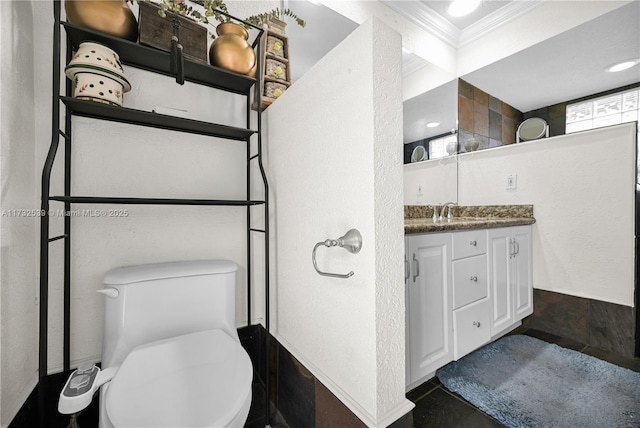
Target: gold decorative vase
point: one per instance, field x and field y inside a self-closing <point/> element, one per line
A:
<point x="231" y="51"/>
<point x="113" y="17"/>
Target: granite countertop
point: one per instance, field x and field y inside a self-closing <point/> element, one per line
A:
<point x="418" y="218"/>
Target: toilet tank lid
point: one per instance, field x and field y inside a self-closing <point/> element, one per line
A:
<point x="149" y="272"/>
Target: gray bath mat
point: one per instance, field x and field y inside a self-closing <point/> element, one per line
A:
<point x="525" y="382"/>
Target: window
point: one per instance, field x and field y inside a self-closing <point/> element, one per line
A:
<point x="443" y="146"/>
<point x="603" y="111"/>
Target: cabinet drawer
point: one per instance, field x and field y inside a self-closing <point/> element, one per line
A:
<point x="469" y="243"/>
<point x="471" y="327"/>
<point x="469" y="280"/>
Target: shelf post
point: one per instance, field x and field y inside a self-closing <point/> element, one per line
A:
<point x="44" y="219"/>
<point x="67" y="226"/>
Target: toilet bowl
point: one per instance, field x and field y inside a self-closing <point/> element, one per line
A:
<point x="200" y="379"/>
<point x="170" y="342"/>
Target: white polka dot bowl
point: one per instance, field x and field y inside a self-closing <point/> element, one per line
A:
<point x="96" y="87"/>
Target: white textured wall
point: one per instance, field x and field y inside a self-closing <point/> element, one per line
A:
<point x="438" y="179"/>
<point x="336" y="165"/>
<point x="18" y="186"/>
<point x="582" y="187"/>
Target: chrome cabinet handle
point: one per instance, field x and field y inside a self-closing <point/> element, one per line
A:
<point x="474" y="278"/>
<point x="407" y="274"/>
<point x="351" y="241"/>
<point x="517" y="247"/>
<point x="417" y="265"/>
<point x="512" y="248"/>
<point x="476" y="323"/>
<point x="473" y="243"/>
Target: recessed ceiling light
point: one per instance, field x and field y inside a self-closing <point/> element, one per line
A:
<point x="432" y="124"/>
<point x="621" y="66"/>
<point x="462" y="7"/>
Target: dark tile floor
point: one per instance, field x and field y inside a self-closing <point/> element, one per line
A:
<point x="437" y="407"/>
<point x="257" y="415"/>
<point x="29" y="416"/>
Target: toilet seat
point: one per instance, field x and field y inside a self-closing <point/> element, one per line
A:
<point x="199" y="379"/>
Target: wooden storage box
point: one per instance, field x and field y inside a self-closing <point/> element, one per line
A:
<point x="156" y="31"/>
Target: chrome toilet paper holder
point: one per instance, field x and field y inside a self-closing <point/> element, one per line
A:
<point x="350" y="241"/>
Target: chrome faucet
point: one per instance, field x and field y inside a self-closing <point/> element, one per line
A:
<point x="435" y="212"/>
<point x="449" y="215"/>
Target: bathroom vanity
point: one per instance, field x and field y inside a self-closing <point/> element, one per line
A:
<point x="467" y="282"/>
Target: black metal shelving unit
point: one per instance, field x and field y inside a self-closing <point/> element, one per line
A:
<point x="155" y="61"/>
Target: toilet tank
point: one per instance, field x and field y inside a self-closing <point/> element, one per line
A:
<point x="163" y="300"/>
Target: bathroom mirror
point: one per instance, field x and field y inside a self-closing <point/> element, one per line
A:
<point x="430" y="145"/>
<point x="430" y="116"/>
<point x="562" y="68"/>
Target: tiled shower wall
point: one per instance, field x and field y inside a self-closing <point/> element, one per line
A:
<point x="492" y="122"/>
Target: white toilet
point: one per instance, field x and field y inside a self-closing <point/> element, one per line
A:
<point x="169" y="333"/>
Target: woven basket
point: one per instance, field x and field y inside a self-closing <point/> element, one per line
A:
<point x="275" y="46"/>
<point x="276" y="69"/>
<point x="274" y="89"/>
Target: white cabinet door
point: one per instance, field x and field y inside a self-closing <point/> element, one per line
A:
<point x="407" y="336"/>
<point x="429" y="304"/>
<point x="500" y="292"/>
<point x="521" y="272"/>
<point x="510" y="283"/>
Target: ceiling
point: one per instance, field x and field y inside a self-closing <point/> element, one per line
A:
<point x="441" y="105"/>
<point x="309" y="44"/>
<point x="432" y="17"/>
<point x="565" y="67"/>
<point x="440" y="7"/>
<point x="568" y="66"/>
<point x="562" y="68"/>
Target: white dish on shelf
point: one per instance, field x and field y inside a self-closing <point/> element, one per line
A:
<point x="97" y="87"/>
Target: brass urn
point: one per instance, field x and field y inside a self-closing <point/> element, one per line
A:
<point x="113" y="17"/>
<point x="231" y="50"/>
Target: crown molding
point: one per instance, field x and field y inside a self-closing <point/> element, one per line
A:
<point x="411" y="63"/>
<point x="496" y="19"/>
<point x="435" y="24"/>
<point x="427" y="19"/>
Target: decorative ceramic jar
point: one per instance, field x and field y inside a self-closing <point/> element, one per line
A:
<point x="113" y="17"/>
<point x="97" y="74"/>
<point x="231" y="51"/>
<point x="452" y="148"/>
<point x="471" y="144"/>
